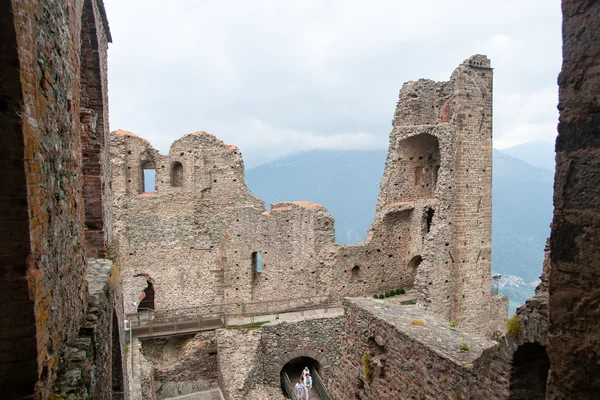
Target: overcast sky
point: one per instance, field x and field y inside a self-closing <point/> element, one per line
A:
<point x="279" y="76"/>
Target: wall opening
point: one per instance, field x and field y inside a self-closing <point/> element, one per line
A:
<point x="117" y="363"/>
<point x="418" y="165"/>
<point x="355" y="273"/>
<point x="529" y="372"/>
<point x="257" y="262"/>
<point x="429" y="212"/>
<point x="148" y="181"/>
<point x="147" y="302"/>
<point x="176" y="174"/>
<point x="293" y="369"/>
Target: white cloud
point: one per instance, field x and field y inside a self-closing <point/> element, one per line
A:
<point x="525" y="117"/>
<point x="275" y="76"/>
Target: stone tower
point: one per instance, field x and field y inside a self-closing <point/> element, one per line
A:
<point x="440" y="165"/>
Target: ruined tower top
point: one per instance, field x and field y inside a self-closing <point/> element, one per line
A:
<point x="478" y="60"/>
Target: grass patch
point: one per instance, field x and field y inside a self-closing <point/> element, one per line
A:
<point x="409" y="303"/>
<point x="513" y="326"/>
<point x="453" y="324"/>
<point x="115" y="277"/>
<point x="253" y="325"/>
<point x="464" y="347"/>
<point x="368" y="372"/>
<point x="418" y="322"/>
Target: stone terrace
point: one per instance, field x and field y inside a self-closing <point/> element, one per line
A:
<point x="436" y="334"/>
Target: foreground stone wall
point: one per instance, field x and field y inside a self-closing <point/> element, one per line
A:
<point x="46" y="305"/>
<point x="194" y="233"/>
<point x="574" y="334"/>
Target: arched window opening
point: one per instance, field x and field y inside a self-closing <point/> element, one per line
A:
<point x="117" y="363"/>
<point x="147" y="302"/>
<point x="293" y="370"/>
<point x="176" y="174"/>
<point x="257" y="262"/>
<point x="414" y="262"/>
<point x="420" y="157"/>
<point x="355" y="273"/>
<point x="529" y="372"/>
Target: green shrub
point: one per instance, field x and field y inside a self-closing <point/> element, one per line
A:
<point x="401" y="291"/>
<point x="418" y="322"/>
<point x="513" y="326"/>
<point x="368" y="372"/>
<point x="381" y="296"/>
<point x="464" y="347"/>
<point x="453" y="324"/>
<point x="375" y="296"/>
<point x="387" y="294"/>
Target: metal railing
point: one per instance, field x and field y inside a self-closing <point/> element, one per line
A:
<point x="185" y="320"/>
<point x="288" y="388"/>
<point x="319" y="385"/>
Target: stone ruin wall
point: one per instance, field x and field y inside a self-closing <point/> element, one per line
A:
<point x="407" y="361"/>
<point x="193" y="238"/>
<point x="180" y="365"/>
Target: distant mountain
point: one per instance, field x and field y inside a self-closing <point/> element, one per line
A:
<point x="540" y="154"/>
<point x="347" y="184"/>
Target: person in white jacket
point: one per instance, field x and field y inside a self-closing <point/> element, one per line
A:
<point x="300" y="389"/>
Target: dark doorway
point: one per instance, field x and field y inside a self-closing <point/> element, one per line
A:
<point x="147" y="302"/>
<point x="529" y="372"/>
<point x="294" y="368"/>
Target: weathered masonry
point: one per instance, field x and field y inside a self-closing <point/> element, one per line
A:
<point x="194" y="234"/>
<point x="61" y="320"/>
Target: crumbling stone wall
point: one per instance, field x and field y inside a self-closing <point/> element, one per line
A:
<point x="385" y="356"/>
<point x="194" y="237"/>
<point x="575" y="238"/>
<point x="43" y="285"/>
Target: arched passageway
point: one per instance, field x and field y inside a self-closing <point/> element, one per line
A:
<point x="529" y="372"/>
<point x="294" y="368"/>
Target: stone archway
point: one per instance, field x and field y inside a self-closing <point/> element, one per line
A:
<point x="293" y="369"/>
<point x="279" y="363"/>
